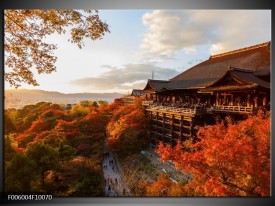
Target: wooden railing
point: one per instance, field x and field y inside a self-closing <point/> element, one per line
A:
<point x="147" y="103"/>
<point x="240" y="109"/>
<point x="197" y="110"/>
<point x="174" y="109"/>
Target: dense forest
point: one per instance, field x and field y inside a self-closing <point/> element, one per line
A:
<point x="58" y="149"/>
<point x="51" y="148"/>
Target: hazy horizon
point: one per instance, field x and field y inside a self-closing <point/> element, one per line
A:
<point x="18" y="98"/>
<point x="34" y="89"/>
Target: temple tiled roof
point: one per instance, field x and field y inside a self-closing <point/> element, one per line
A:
<point x="204" y="74"/>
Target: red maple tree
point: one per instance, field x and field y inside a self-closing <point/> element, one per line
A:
<point x="228" y="160"/>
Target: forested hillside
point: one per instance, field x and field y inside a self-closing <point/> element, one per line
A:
<point x="59" y="150"/>
<point x="54" y="149"/>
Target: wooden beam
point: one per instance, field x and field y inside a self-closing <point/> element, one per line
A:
<point x="264" y="101"/>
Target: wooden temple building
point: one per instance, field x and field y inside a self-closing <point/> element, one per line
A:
<point x="130" y="99"/>
<point x="232" y="83"/>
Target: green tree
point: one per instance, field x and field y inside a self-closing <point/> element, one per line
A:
<point x="86" y="103"/>
<point x="130" y="142"/>
<point x="102" y="102"/>
<point x="95" y="104"/>
<point x="79" y="110"/>
<point x="25" y="31"/>
<point x="8" y="126"/>
<point x="19" y="173"/>
<point x="66" y="152"/>
<point x="91" y="185"/>
<point x="44" y="157"/>
<point x="10" y="147"/>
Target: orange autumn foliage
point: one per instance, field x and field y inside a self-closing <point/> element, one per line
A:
<point x="116" y="104"/>
<point x="127" y="130"/>
<point x="92" y="115"/>
<point x="229" y="160"/>
<point x="52" y="113"/>
<point x="37" y="126"/>
<point x="94" y="122"/>
<point x="160" y="187"/>
<point x="134" y="119"/>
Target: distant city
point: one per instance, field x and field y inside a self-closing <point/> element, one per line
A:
<point x="18" y="98"/>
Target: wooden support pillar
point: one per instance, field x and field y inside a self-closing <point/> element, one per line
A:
<point x="209" y="99"/>
<point x="173" y="99"/>
<point x="232" y="100"/>
<point x="151" y="128"/>
<point x="181" y="126"/>
<point x="248" y="101"/>
<point x="217" y="98"/>
<point x="191" y="127"/>
<point x="163" y="126"/>
<point x="264" y="101"/>
<point x="172" y="128"/>
<point x="256" y="101"/>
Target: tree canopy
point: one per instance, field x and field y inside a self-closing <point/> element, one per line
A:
<point x="25" y="46"/>
<point x="232" y="160"/>
<point x="127" y="130"/>
<point x="58" y="149"/>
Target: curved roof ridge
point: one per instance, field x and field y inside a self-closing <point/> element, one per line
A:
<point x="240" y="50"/>
<point x="157" y="80"/>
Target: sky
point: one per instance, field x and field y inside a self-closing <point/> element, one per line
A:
<point x="166" y="42"/>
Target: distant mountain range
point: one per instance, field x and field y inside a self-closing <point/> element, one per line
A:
<point x="17" y="98"/>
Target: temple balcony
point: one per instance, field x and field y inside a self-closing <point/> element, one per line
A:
<point x="193" y="111"/>
<point x="176" y="110"/>
<point x="147" y="103"/>
<point x="235" y="109"/>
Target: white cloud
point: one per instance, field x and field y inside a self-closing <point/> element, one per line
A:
<point x="172" y="31"/>
<point x="125" y="78"/>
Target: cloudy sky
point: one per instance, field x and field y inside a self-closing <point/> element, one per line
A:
<point x="141" y="42"/>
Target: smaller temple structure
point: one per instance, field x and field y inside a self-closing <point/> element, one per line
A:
<point x="130" y="99"/>
<point x="136" y="93"/>
<point x="151" y="89"/>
